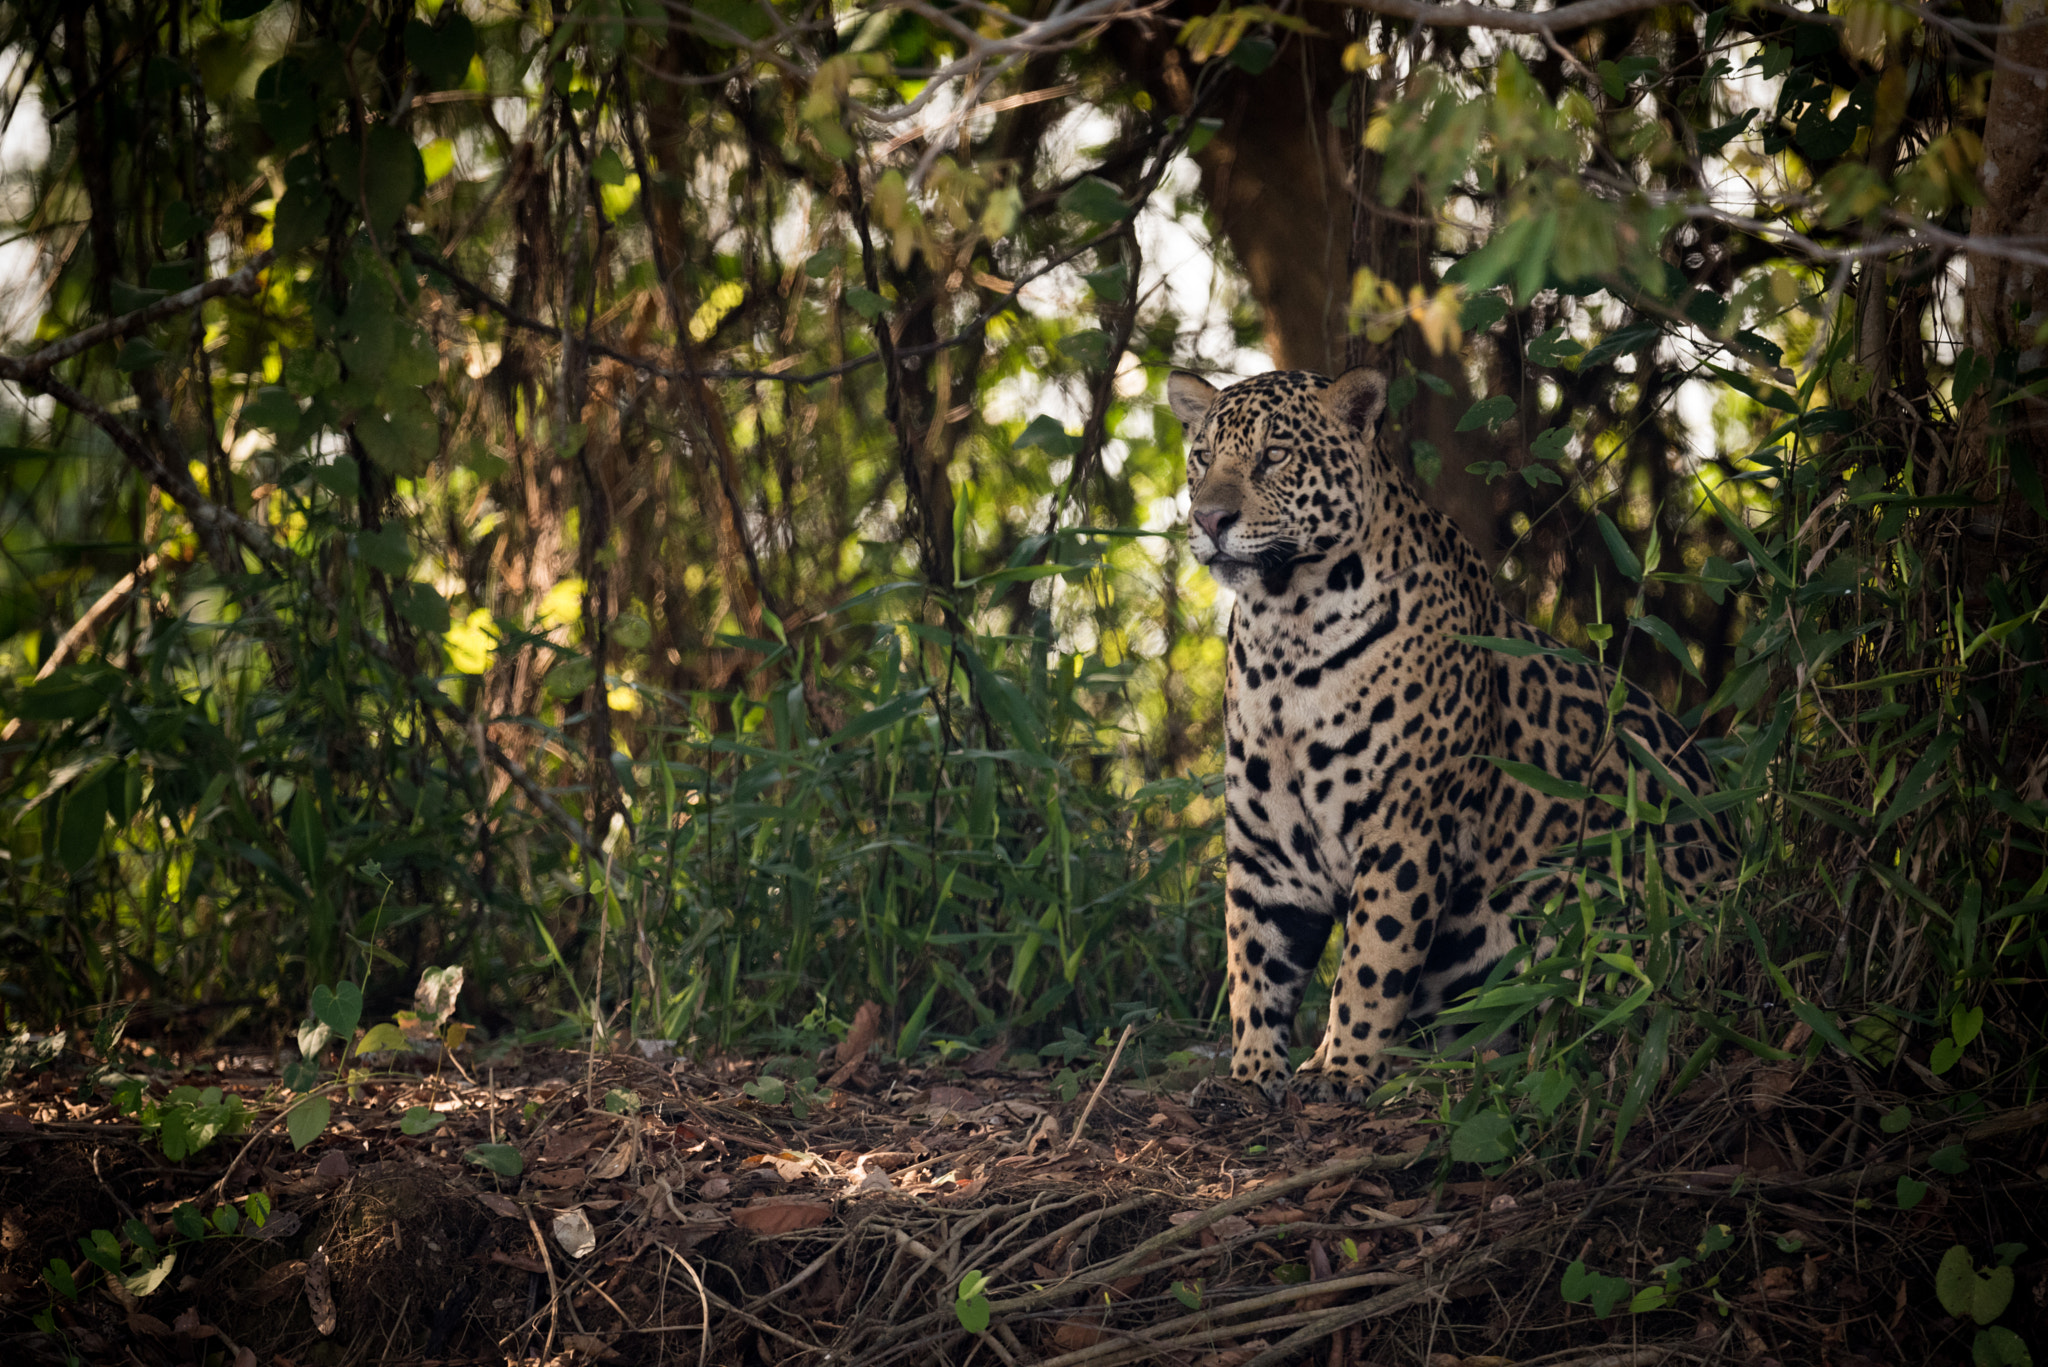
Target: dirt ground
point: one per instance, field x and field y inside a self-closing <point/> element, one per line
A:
<point x="692" y="1213"/>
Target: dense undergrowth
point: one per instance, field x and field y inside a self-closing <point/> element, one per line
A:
<point x="700" y="648"/>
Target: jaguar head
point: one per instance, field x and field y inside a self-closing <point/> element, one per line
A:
<point x="1278" y="469"/>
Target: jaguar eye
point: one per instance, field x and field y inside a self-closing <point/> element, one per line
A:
<point x="1274" y="456"/>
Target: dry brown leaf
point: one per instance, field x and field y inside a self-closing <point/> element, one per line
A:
<point x="319" y="1295"/>
<point x="613" y="1164"/>
<point x="867" y="1023"/>
<point x="274" y="1283"/>
<point x="333" y="1165"/>
<point x="1276" y="1216"/>
<point x="1078" y="1333"/>
<point x="568" y="1177"/>
<point x="562" y="1147"/>
<point x="781" y="1217"/>
<point x="142" y="1322"/>
<point x="500" y="1205"/>
<point x="187" y="1325"/>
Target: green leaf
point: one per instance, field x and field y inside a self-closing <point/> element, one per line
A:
<point x="378" y="176"/>
<point x="1089" y="348"/>
<point x="226" y="1218"/>
<point x="569" y="678"/>
<point x="1489" y="413"/>
<point x="1550" y="444"/>
<point x="388" y="549"/>
<point x="1945" y="1054"/>
<point x="308" y="1120"/>
<point x="501" y="1159"/>
<point x="58" y="1275"/>
<point x="1486" y="1138"/>
<point x="1965" y="1024"/>
<point x="1554" y="348"/>
<point x="972" y="1312"/>
<point x="607" y="168"/>
<point x="1949" y="1159"/>
<point x="418" y="1120"/>
<point x="1542" y="780"/>
<point x="339" y="1008"/>
<point x="1911" y="1193"/>
<point x="1096" y="200"/>
<point x="630" y="631"/>
<point x="1189" y="1294"/>
<point x="1481" y="311"/>
<point x="309" y="837"/>
<point x="1999" y="1346"/>
<point x="189" y="1223"/>
<point x="80" y="824"/>
<point x="442" y="52"/>
<point x="422" y="605"/>
<point x="1110" y="284"/>
<point x="1522" y="650"/>
<point x="1968" y="1294"/>
<point x="1253" y="54"/>
<point x="1649" y="1071"/>
<point x="1664" y="634"/>
<point x="1896" y="1119"/>
<point x="1625" y="558"/>
<point x="1048" y="435"/>
<point x="382" y="1038"/>
<point x="866" y="302"/>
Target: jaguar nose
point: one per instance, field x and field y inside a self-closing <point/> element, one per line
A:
<point x="1215" y="521"/>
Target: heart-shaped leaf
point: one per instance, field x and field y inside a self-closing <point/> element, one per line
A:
<point x="1911" y="1193"/>
<point x="1966" y="1024"/>
<point x="338" y="1008"/>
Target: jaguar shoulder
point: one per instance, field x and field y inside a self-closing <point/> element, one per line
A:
<point x="1357" y="792"/>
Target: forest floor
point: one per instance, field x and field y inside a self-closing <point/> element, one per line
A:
<point x="695" y="1213"/>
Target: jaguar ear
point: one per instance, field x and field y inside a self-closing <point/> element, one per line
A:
<point x="1357" y="398"/>
<point x="1189" y="395"/>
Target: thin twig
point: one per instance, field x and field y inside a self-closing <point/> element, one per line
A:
<point x="1096" y="1095"/>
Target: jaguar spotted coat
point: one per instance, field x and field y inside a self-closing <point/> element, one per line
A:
<point x="1356" y="723"/>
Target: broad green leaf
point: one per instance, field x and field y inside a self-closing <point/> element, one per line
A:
<point x="1095" y="199"/>
<point x="338" y="1008"/>
<point x="502" y="1159"/>
<point x="308" y="1120"/>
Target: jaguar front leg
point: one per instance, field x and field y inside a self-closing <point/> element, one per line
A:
<point x="1402" y="884"/>
<point x="1275" y="944"/>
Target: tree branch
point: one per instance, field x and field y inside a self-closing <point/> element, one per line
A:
<point x="243" y="282"/>
<point x="1576" y="15"/>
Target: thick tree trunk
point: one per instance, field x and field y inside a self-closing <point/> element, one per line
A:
<point x="2006" y="302"/>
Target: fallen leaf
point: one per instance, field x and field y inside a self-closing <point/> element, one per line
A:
<point x="867" y="1023"/>
<point x="781" y="1217"/>
<point x="273" y="1283"/>
<point x="613" y="1164"/>
<point x="565" y="1146"/>
<point x="1078" y="1333"/>
<point x="142" y="1322"/>
<point x="333" y="1164"/>
<point x="567" y="1177"/>
<point x="501" y="1205"/>
<point x="187" y="1325"/>
<point x="282" y="1224"/>
<point x="319" y="1296"/>
<point x="715" y="1187"/>
<point x="573" y="1232"/>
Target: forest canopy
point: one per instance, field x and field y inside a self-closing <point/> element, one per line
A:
<point x="670" y="506"/>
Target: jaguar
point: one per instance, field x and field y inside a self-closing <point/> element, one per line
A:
<point x="1363" y="719"/>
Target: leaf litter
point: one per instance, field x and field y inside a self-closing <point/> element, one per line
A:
<point x="637" y="1209"/>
